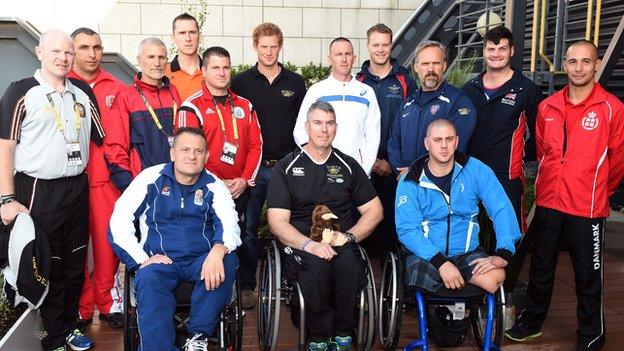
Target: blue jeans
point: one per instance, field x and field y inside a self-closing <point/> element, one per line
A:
<point x="250" y="250"/>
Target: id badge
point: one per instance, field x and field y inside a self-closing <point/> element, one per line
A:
<point x="74" y="157"/>
<point x="228" y="153"/>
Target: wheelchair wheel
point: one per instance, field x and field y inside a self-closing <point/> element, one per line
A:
<point x="390" y="310"/>
<point x="367" y="308"/>
<point x="130" y="327"/>
<point x="231" y="332"/>
<point x="480" y="319"/>
<point x="269" y="298"/>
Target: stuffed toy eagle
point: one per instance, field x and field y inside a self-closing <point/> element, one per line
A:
<point x="324" y="227"/>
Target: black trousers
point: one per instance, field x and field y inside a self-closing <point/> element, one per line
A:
<point x="585" y="238"/>
<point x="384" y="238"/>
<point x="248" y="251"/>
<point x="60" y="210"/>
<point x="330" y="290"/>
<point x="515" y="192"/>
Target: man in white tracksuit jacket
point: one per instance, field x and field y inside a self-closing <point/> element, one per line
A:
<point x="355" y="103"/>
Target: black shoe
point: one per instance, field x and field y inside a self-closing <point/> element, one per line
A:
<point x="519" y="333"/>
<point x="115" y="320"/>
<point x="83" y="323"/>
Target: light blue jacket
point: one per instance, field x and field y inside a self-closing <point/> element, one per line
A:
<point x="435" y="226"/>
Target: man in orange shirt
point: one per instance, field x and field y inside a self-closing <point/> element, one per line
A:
<point x="184" y="70"/>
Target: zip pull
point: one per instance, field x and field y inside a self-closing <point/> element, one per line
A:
<point x="181" y="202"/>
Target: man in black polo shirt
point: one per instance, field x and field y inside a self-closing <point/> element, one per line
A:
<point x="330" y="276"/>
<point x="276" y="94"/>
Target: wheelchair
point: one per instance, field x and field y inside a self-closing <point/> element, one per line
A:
<point x="229" y="333"/>
<point x="274" y="288"/>
<point x="485" y="311"/>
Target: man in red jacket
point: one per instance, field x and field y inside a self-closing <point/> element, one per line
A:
<point x="580" y="149"/>
<point x="141" y="130"/>
<point x="101" y="288"/>
<point x="232" y="131"/>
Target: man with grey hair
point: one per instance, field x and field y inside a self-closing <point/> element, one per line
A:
<point x="141" y="131"/>
<point x="329" y="272"/>
<point x="435" y="99"/>
<point x="46" y="124"/>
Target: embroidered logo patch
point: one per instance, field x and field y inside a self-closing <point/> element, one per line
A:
<point x="109" y="100"/>
<point x="288" y="93"/>
<point x="394" y="89"/>
<point x="166" y="191"/>
<point x="464" y="111"/>
<point x="433" y="109"/>
<point x="199" y="197"/>
<point x="590" y="122"/>
<point x="509" y="99"/>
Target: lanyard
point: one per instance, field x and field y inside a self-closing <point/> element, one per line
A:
<point x="151" y="110"/>
<point x="57" y="115"/>
<point x="234" y="124"/>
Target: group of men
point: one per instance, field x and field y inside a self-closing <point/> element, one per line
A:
<point x="170" y="175"/>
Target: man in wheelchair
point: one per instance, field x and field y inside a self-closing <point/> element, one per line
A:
<point x="436" y="217"/>
<point x="188" y="232"/>
<point x="330" y="276"/>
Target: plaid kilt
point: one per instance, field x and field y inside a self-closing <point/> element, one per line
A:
<point x="420" y="273"/>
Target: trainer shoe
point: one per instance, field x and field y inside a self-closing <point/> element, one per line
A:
<point x="199" y="342"/>
<point x="318" y="346"/>
<point x="341" y="343"/>
<point x="77" y="341"/>
<point x="60" y="348"/>
<point x="83" y="323"/>
<point x="114" y="320"/>
<point x="520" y="333"/>
<point x="248" y="300"/>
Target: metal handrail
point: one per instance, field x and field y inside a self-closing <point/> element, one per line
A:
<point x="542" y="51"/>
<point x="534" y="38"/>
<point x="590" y="8"/>
<point x="597" y="22"/>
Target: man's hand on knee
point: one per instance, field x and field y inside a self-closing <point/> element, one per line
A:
<point x="324" y="251"/>
<point x="158" y="258"/>
<point x="451" y="276"/>
<point x="486" y="264"/>
<point x="213" y="272"/>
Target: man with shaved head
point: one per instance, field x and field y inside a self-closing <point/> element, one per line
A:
<point x="442" y="236"/>
<point x="580" y="148"/>
<point x="46" y="124"/>
<point x="141" y="130"/>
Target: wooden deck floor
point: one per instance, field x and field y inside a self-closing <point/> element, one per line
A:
<point x="559" y="330"/>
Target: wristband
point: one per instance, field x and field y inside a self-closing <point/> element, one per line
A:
<point x="305" y="243"/>
<point x="5" y="199"/>
<point x="350" y="237"/>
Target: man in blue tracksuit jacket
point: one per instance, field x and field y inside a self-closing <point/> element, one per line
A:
<point x="189" y="230"/>
<point x="393" y="84"/>
<point x="436" y="217"/>
<point x="435" y="99"/>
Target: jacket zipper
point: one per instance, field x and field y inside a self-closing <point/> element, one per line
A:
<point x="448" y="222"/>
<point x="565" y="141"/>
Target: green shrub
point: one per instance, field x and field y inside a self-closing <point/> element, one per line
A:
<point x="313" y="73"/>
<point x="239" y="69"/>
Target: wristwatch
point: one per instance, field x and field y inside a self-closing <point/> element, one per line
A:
<point x="5" y="199"/>
<point x="350" y="237"/>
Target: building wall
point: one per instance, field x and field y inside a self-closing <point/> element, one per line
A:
<point x="308" y="25"/>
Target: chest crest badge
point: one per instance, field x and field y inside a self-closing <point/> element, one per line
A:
<point x="590" y="122"/>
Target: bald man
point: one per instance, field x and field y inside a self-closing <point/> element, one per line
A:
<point x="46" y="124"/>
<point x="579" y="136"/>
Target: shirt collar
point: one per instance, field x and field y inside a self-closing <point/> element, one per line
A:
<point x="69" y="87"/>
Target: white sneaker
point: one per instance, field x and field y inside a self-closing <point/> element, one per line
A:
<point x="198" y="342"/>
